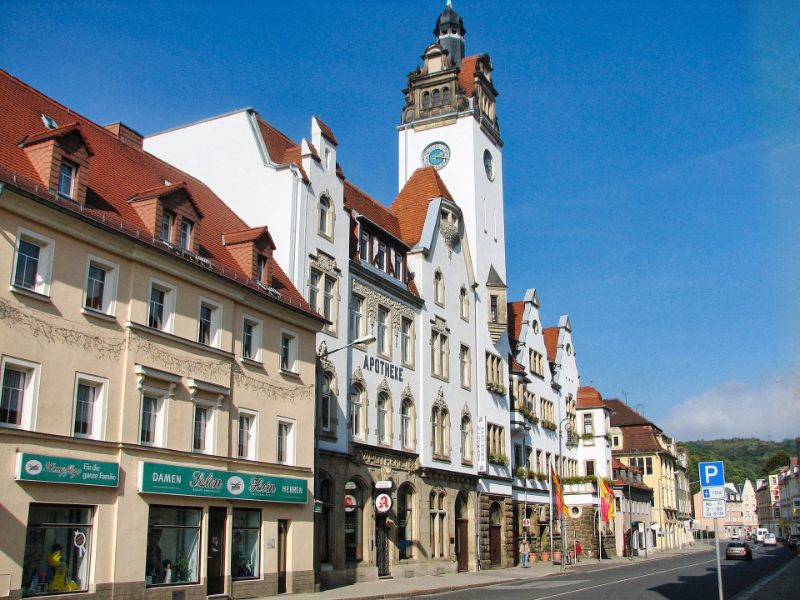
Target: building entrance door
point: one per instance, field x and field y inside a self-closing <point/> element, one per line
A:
<point x="283" y="531"/>
<point x="382" y="547"/>
<point x="495" y="536"/>
<point x="462" y="534"/>
<point x="215" y="562"/>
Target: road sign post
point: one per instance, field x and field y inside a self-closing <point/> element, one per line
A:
<point x="712" y="480"/>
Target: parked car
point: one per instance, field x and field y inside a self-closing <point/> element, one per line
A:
<point x="794" y="541"/>
<point x="738" y="550"/>
<point x="734" y="536"/>
<point x="770" y="540"/>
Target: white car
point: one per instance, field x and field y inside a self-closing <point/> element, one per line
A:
<point x="770" y="540"/>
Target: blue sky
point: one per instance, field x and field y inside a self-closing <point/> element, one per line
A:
<point x="651" y="157"/>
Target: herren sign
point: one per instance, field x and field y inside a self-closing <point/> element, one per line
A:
<point x="159" y="478"/>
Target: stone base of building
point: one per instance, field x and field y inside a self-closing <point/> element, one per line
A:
<point x="496" y="531"/>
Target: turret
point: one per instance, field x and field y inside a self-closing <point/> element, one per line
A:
<point x="449" y="34"/>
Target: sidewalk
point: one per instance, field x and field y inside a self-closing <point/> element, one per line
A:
<point x="784" y="583"/>
<point x="434" y="584"/>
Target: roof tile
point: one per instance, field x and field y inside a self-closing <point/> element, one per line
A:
<point x="411" y="204"/>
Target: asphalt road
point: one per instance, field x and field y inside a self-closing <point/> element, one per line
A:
<point x="686" y="577"/>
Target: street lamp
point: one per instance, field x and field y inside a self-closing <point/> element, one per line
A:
<point x="362" y="341"/>
<point x="567" y="425"/>
<point x="630" y="510"/>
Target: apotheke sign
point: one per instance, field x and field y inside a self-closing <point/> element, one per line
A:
<point x="57" y="469"/>
<point x="159" y="478"/>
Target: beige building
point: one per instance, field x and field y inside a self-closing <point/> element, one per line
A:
<point x="768" y="497"/>
<point x="156" y="424"/>
<point x="639" y="443"/>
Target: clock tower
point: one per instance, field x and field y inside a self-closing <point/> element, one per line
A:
<point x="449" y="122"/>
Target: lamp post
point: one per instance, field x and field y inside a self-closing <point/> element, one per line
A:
<point x="567" y="425"/>
<point x="630" y="509"/>
<point x="362" y="341"/>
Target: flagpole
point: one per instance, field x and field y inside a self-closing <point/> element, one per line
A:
<point x="599" y="521"/>
<point x="550" y="475"/>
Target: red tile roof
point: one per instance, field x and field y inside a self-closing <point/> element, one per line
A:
<point x="589" y="397"/>
<point x="243" y="236"/>
<point x="58" y="132"/>
<point x="281" y="149"/>
<point x="411" y="204"/>
<point x="466" y="77"/>
<point x="638" y="439"/>
<point x="513" y="365"/>
<point x="326" y="132"/>
<point x="166" y="190"/>
<point x="551" y="342"/>
<point x="623" y="415"/>
<point x="515" y="312"/>
<point x="362" y="203"/>
<point x="118" y="172"/>
<point x="314" y="153"/>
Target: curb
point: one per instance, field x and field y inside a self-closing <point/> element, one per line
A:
<point x="752" y="589"/>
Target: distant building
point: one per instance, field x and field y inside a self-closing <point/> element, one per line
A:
<point x="749" y="507"/>
<point x="633" y="520"/>
<point x="790" y="498"/>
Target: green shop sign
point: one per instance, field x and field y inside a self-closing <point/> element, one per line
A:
<point x="57" y="469"/>
<point x="159" y="478"/>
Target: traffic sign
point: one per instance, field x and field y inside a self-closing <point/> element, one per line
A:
<point x="712" y="474"/>
<point x="714" y="509"/>
<point x="714" y="493"/>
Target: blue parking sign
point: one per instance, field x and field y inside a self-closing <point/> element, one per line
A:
<point x="711" y="474"/>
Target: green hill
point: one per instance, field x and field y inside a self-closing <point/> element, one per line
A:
<point x="744" y="458"/>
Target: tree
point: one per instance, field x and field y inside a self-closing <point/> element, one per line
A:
<point x="779" y="459"/>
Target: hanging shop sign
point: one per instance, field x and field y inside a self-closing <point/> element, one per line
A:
<point x="159" y="478"/>
<point x="58" y="469"/>
<point x="383" y="502"/>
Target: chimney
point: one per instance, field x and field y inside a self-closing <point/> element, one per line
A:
<point x="125" y="134"/>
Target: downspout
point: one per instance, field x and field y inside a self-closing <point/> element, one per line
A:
<point x="293" y="240"/>
<point x="478" y="415"/>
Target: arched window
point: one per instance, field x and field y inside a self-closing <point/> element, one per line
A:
<point x="435" y="416"/>
<point x="466" y="439"/>
<point x="436" y="98"/>
<point x="463" y="303"/>
<point x="407" y="424"/>
<point x="326" y="499"/>
<point x="438" y="529"/>
<point x="438" y="288"/>
<point x="353" y="521"/>
<point x="356" y="418"/>
<point x="444" y="433"/>
<point x="383" y="418"/>
<point x="325" y="216"/>
<point x="405" y="521"/>
<point x="426" y="100"/>
<point x="446" y="96"/>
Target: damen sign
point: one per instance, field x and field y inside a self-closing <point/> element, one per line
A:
<point x="159" y="478"/>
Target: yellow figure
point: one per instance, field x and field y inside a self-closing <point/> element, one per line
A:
<point x="56" y="560"/>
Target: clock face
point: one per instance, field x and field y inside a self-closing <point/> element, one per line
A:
<point x="488" y="165"/>
<point x="436" y="155"/>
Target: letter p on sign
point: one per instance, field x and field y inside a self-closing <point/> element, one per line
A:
<point x="712" y="474"/>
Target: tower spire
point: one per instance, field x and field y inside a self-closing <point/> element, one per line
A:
<point x="450" y="32"/>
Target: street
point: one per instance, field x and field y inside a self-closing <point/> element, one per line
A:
<point x="683" y="577"/>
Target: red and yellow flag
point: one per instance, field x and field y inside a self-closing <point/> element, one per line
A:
<point x="606" y="500"/>
<point x="558" y="497"/>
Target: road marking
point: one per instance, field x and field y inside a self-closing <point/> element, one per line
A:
<point x="592" y="587"/>
<point x="763" y="581"/>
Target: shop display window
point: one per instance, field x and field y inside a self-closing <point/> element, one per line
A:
<point x="173" y="545"/>
<point x="57" y="549"/>
<point x="245" y="555"/>
<point x="353" y="515"/>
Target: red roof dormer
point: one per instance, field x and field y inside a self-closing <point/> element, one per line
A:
<point x="61" y="159"/>
<point x="170" y="214"/>
<point x="252" y="250"/>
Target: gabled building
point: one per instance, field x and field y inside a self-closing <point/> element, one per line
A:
<point x="790" y="497"/>
<point x="768" y="497"/>
<point x="157" y="370"/>
<point x="632" y="521"/>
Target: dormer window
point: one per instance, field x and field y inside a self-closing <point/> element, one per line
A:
<point x="167" y="221"/>
<point x="66" y="179"/>
<point x="186" y="234"/>
<point x="381" y="259"/>
<point x="261" y="269"/>
<point x="364" y="254"/>
<point x="398" y="265"/>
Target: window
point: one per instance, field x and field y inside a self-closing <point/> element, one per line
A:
<point x="326" y="520"/>
<point x="446" y="96"/>
<point x="101" y="285"/>
<point x="66" y="179"/>
<point x="247" y="434"/>
<point x="328" y="303"/>
<point x="186" y="234"/>
<point x="536" y="363"/>
<point x="251" y="338"/>
<point x="465" y="367"/>
<point x="590" y="468"/>
<point x="173" y="545"/>
<point x="547" y="410"/>
<point x="463" y="303"/>
<point x="54" y="537"/>
<point x="407" y="341"/>
<point x="261" y="269"/>
<point x="357" y="318"/>
<point x="494" y="369"/>
<point x="356" y="416"/>
<point x="438" y="288"/>
<point x="353" y="522"/>
<point x="285" y="442"/>
<point x="440" y="351"/>
<point x="313" y="289"/>
<point x="325" y="217"/>
<point x="288" y="352"/>
<point x="95" y="288"/>
<point x="151" y="427"/>
<point x="426" y="101"/>
<point x="406" y="424"/>
<point x="380" y="259"/>
<point x="588" y="430"/>
<point x="167" y="222"/>
<point x="17" y="397"/>
<point x="438" y="528"/>
<point x="383" y="419"/>
<point x="364" y="250"/>
<point x="162" y="302"/>
<point x="89" y="407"/>
<point x="34" y="259"/>
<point x="440" y="432"/>
<point x="494" y="309"/>
<point x="208" y="323"/>
<point x="466" y="440"/>
<point x="246" y="525"/>
<point x="384" y="347"/>
<point x="405" y="522"/>
<point x="398" y="265"/>
<point x="202" y="431"/>
<point x="437" y="100"/>
<point x="326" y="403"/>
<point x="495" y="439"/>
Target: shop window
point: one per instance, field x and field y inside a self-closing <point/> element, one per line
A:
<point x="19" y="385"/>
<point x="33" y="262"/>
<point x="405" y="522"/>
<point x="173" y="545"/>
<point x="58" y="546"/>
<point x="326" y="499"/>
<point x="246" y="543"/>
<point x="353" y="525"/>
